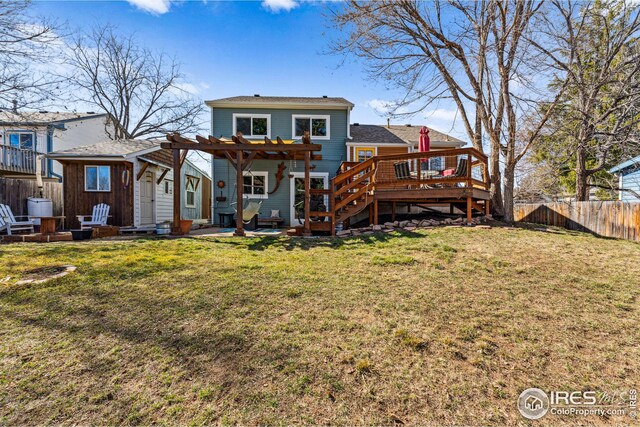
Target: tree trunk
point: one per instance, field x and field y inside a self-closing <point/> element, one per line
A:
<point x="509" y="183"/>
<point x="496" y="180"/>
<point x="582" y="190"/>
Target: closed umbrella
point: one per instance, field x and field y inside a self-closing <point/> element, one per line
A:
<point x="425" y="142"/>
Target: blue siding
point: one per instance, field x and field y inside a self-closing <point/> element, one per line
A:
<point x="631" y="181"/>
<point x="333" y="153"/>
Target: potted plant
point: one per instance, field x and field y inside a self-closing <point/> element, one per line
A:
<point x="185" y="225"/>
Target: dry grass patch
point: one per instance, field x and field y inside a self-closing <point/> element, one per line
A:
<point x="438" y="327"/>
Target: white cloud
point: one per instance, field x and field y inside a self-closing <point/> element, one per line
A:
<point x="156" y="7"/>
<point x="441" y="114"/>
<point x="381" y="107"/>
<point x="276" y="6"/>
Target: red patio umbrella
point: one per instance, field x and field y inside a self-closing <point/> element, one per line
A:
<point x="425" y="142"/>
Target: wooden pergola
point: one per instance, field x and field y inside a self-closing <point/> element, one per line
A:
<point x="241" y="153"/>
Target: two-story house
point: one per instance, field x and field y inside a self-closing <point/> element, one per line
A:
<point x="279" y="183"/>
<point x="256" y="117"/>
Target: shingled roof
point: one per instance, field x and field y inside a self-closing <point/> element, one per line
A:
<point x="400" y="134"/>
<point x="108" y="149"/>
<point x="284" y="101"/>
<point x="41" y="118"/>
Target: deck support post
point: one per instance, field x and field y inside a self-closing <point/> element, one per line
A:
<point x="451" y="208"/>
<point x="487" y="207"/>
<point x="307" y="190"/>
<point x="240" y="195"/>
<point x="176" y="192"/>
<point x="375" y="212"/>
<point x="469" y="210"/>
<point x="393" y="211"/>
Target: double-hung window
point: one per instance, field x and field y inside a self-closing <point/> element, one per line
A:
<point x="317" y="126"/>
<point x="252" y="125"/>
<point x="255" y="185"/>
<point x="23" y="140"/>
<point x="97" y="178"/>
<point x="191" y="186"/>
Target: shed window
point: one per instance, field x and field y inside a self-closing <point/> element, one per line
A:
<point x="97" y="178"/>
<point x="317" y="126"/>
<point x="252" y="125"/>
<point x="168" y="186"/>
<point x="191" y="187"/>
<point x="255" y="185"/>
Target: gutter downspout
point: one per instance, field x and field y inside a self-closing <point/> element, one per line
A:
<point x="50" y="172"/>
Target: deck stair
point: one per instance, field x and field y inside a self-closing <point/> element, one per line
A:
<point x="359" y="186"/>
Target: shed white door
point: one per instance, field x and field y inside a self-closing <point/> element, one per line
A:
<point x="147" y="198"/>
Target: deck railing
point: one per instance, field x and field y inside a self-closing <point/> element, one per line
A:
<point x="20" y="160"/>
<point x="465" y="167"/>
<point x="353" y="189"/>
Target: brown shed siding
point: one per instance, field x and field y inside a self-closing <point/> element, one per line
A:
<point x="388" y="151"/>
<point x="77" y="201"/>
<point x="206" y="198"/>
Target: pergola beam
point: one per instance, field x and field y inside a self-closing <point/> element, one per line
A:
<point x="240" y="153"/>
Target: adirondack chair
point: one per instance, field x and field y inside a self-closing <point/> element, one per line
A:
<point x="98" y="218"/>
<point x="8" y="221"/>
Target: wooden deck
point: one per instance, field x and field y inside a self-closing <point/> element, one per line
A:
<point x="412" y="178"/>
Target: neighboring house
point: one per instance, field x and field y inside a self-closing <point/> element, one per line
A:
<point x="327" y="120"/>
<point x="629" y="179"/>
<point x="134" y="177"/>
<point x="24" y="135"/>
<point x="373" y="140"/>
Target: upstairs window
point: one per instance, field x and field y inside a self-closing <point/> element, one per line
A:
<point x="317" y="126"/>
<point x="252" y="125"/>
<point x="24" y="140"/>
<point x="97" y="178"/>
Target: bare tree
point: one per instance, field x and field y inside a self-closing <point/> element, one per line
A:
<point x="476" y="54"/>
<point x="24" y="41"/>
<point x="597" y="47"/>
<point x="144" y="93"/>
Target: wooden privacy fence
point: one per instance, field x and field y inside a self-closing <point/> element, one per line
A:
<point x="14" y="192"/>
<point x="616" y="219"/>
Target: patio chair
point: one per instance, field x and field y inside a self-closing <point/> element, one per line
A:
<point x="8" y="221"/>
<point x="402" y="170"/>
<point x="96" y="219"/>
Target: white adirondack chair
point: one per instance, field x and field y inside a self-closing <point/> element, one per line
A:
<point x="96" y="219"/>
<point x="8" y="221"/>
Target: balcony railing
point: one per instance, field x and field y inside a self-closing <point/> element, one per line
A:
<point x="20" y="160"/>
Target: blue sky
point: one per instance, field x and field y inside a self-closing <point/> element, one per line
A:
<point x="270" y="47"/>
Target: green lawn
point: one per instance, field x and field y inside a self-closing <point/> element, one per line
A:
<point x="437" y="327"/>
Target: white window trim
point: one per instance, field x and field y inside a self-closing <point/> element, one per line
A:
<point x="310" y="117"/>
<point x="292" y="192"/>
<point x="97" y="180"/>
<point x="263" y="174"/>
<point x="253" y="116"/>
<point x="34" y="141"/>
<point x="195" y="189"/>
